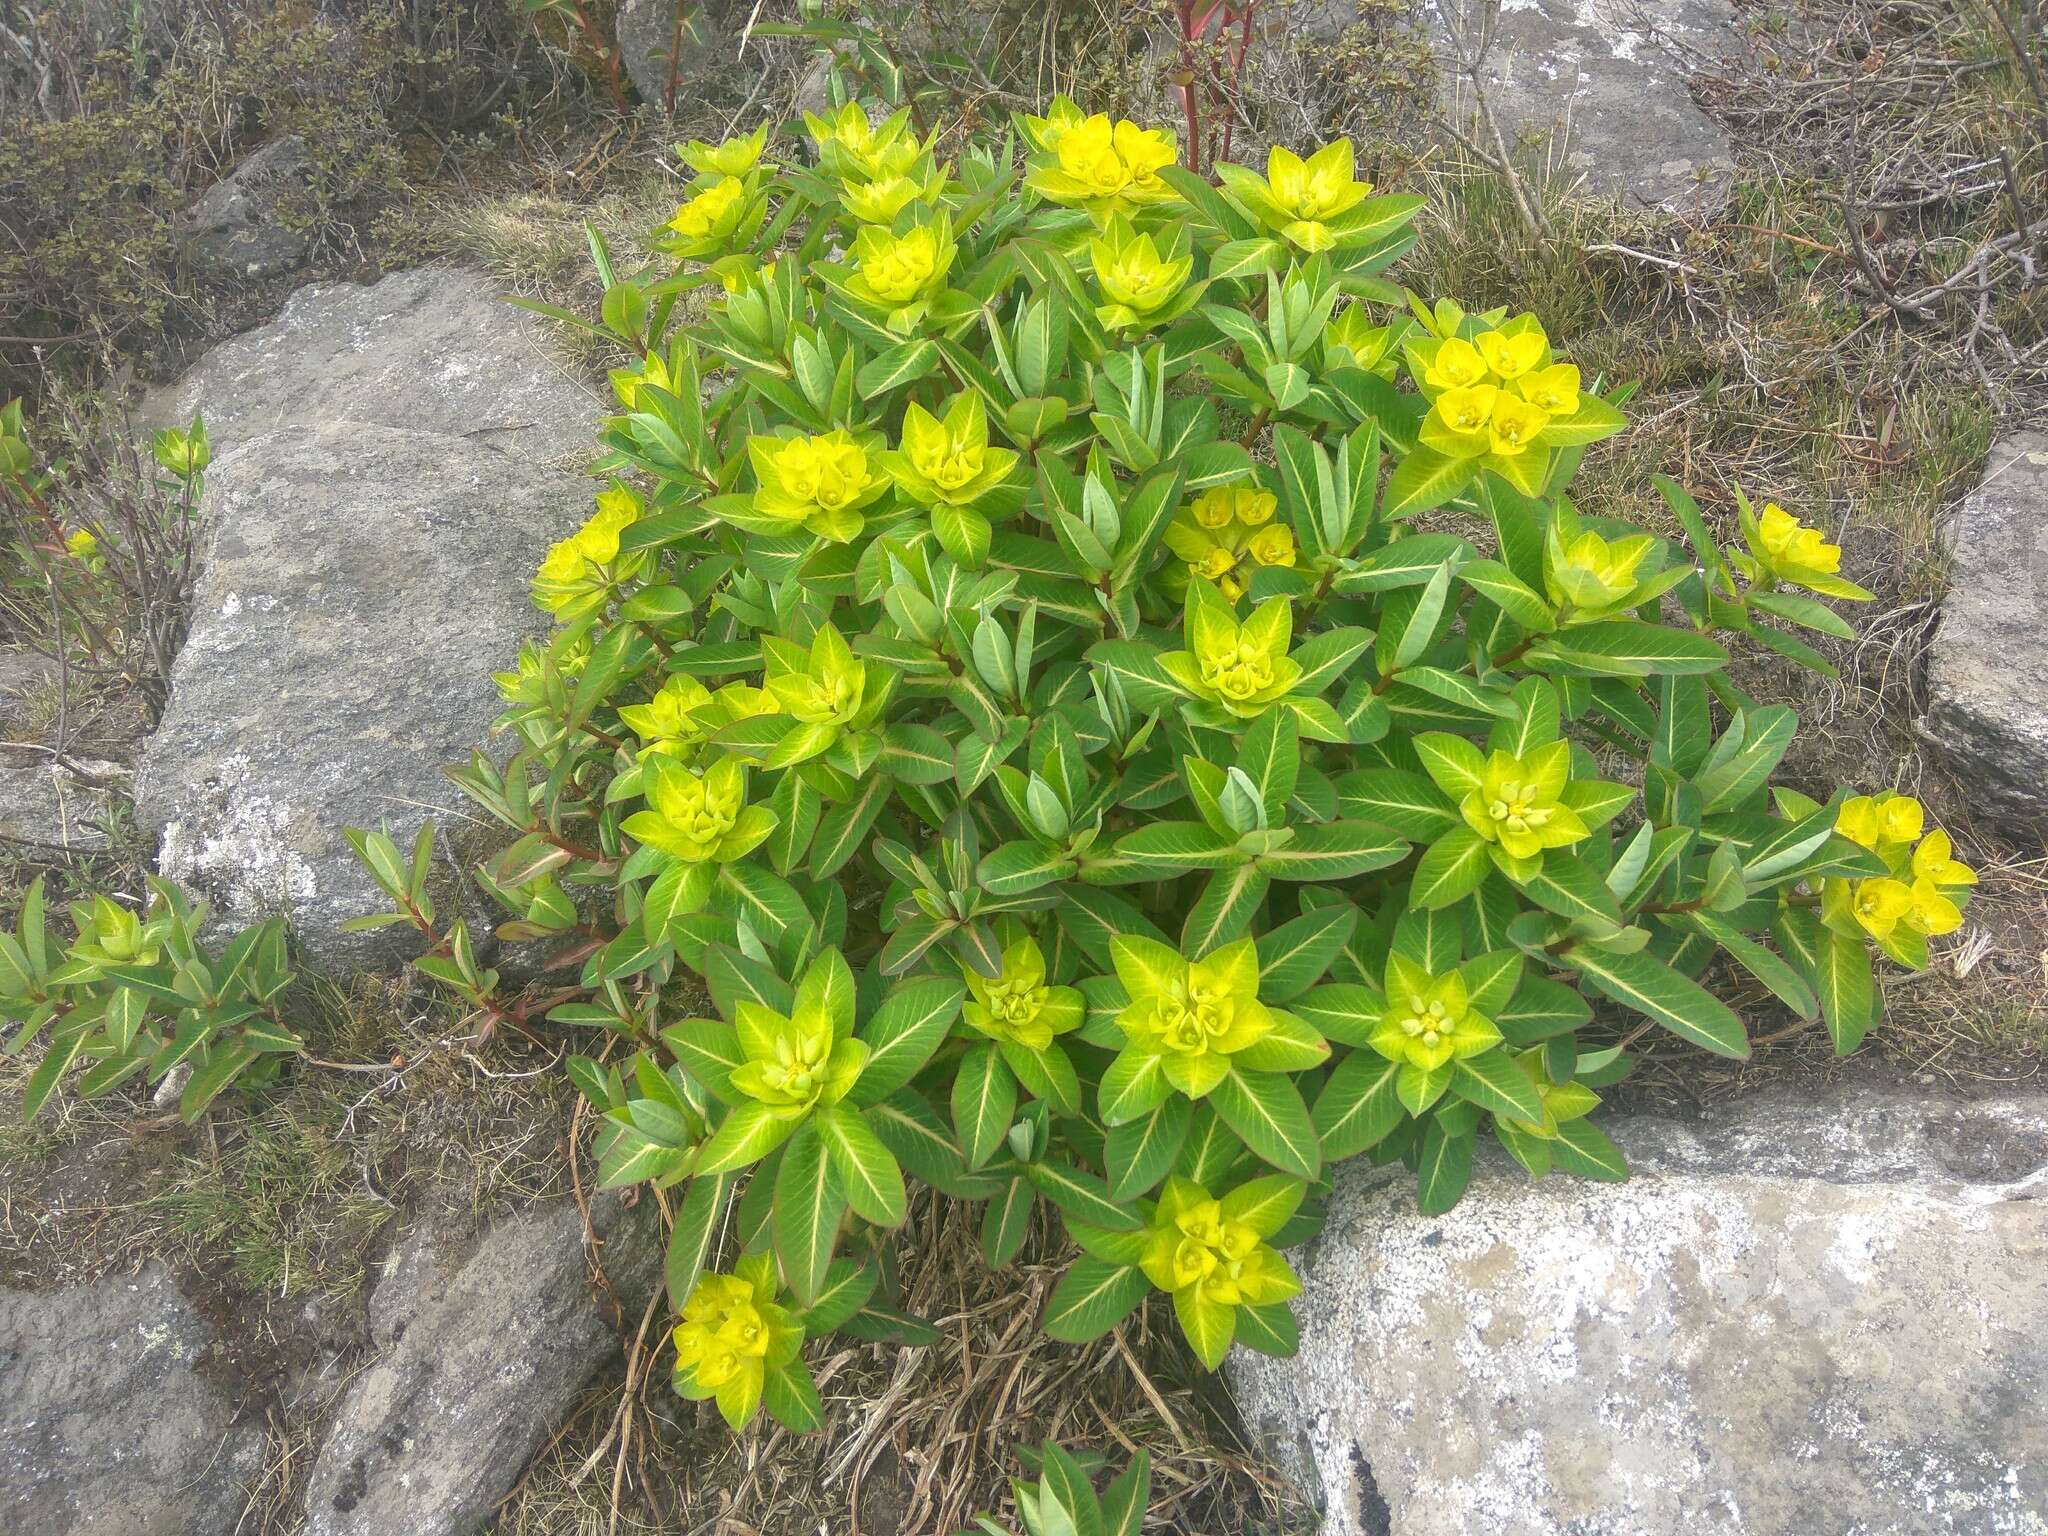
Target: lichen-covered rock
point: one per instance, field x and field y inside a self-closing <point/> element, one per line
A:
<point x="648" y="34"/>
<point x="1603" y="74"/>
<point x="1987" y="677"/>
<point x="359" y="586"/>
<point x="43" y="805"/>
<point x="250" y="224"/>
<point x="478" y="1357"/>
<point x="108" y="1426"/>
<point x="1797" y="1317"/>
<point x="435" y="349"/>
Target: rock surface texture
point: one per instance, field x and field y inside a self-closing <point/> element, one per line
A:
<point x="41" y="804"/>
<point x="1987" y="678"/>
<point x="647" y="34"/>
<point x="1796" y="1318"/>
<point x="1608" y="76"/>
<point x="242" y="225"/>
<point x="108" y="1426"/>
<point x="478" y="1359"/>
<point x="383" y="491"/>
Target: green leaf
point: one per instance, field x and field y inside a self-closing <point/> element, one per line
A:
<point x="1653" y="989"/>
<point x="1265" y="1109"/>
<point x="1358" y="1107"/>
<point x="867" y="1170"/>
<point x="1081" y="1196"/>
<point x="1443" y="1170"/>
<point x="1497" y="1085"/>
<point x="1451" y="869"/>
<point x="904" y="1032"/>
<point x="1092" y="1298"/>
<point x="1208" y="1324"/>
<point x="1006" y="1222"/>
<point x="1626" y="648"/>
<point x="698" y="1218"/>
<point x="984" y="1102"/>
<point x="1138" y="1154"/>
<point x="1423" y="480"/>
<point x="809" y="1205"/>
<point x="1294" y="956"/>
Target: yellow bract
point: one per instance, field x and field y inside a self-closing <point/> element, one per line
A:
<point x="1304" y="202"/>
<point x="707" y="221"/>
<point x="853" y="149"/>
<point x="1590" y="573"/>
<point x="1225" y="527"/>
<point x="948" y="459"/>
<point x="684" y="713"/>
<point x="819" y="484"/>
<point x="1105" y="167"/>
<point x="1428" y="1021"/>
<point x="1212" y="1256"/>
<point x="1017" y="1007"/>
<point x="733" y="157"/>
<point x="732" y="1333"/>
<point x="579" y="570"/>
<point x="795" y="1064"/>
<point x="1135" y="279"/>
<point x="1192" y="1015"/>
<point x="699" y="818"/>
<point x="900" y="274"/>
<point x="1517" y="803"/>
<point x="1242" y="668"/>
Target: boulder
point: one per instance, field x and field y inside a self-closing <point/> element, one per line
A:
<point x="251" y="223"/>
<point x="1796" y="1317"/>
<point x="43" y="805"/>
<point x="1987" y="675"/>
<point x="435" y="349"/>
<point x="1605" y="74"/>
<point x="359" y="585"/>
<point x="479" y="1355"/>
<point x="647" y="34"/>
<point x="108" y="1423"/>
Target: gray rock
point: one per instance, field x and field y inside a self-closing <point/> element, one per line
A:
<point x="359" y="585"/>
<point x="43" y="805"/>
<point x="1796" y="1318"/>
<point x="1987" y="677"/>
<point x="108" y="1426"/>
<point x="1606" y="75"/>
<point x="478" y="1359"/>
<point x="435" y="349"/>
<point x="251" y="223"/>
<point x="646" y="37"/>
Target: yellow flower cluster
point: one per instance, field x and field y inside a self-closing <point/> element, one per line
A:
<point x="818" y="484"/>
<point x="1920" y="896"/>
<point x="1092" y="163"/>
<point x="579" y="570"/>
<point x="1017" y="1007"/>
<point x="1494" y="393"/>
<point x="1225" y="532"/>
<point x="732" y="1334"/>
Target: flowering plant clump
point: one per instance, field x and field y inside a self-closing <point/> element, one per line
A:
<point x="1010" y="671"/>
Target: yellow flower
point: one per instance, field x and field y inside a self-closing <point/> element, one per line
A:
<point x="947" y="459"/>
<point x="83" y="547"/>
<point x="576" y="572"/>
<point x="1589" y="573"/>
<point x="699" y="818"/>
<point x="1192" y="1015"/>
<point x="733" y="157"/>
<point x="819" y="484"/>
<point x="1300" y="200"/>
<point x="1934" y="862"/>
<point x="1105" y="167"/>
<point x="1017" y="1007"/>
<point x="1880" y="905"/>
<point x="1515" y="425"/>
<point x="1045" y="133"/>
<point x="1511" y="356"/>
<point x="797" y="1064"/>
<point x="1781" y="548"/>
<point x="850" y="148"/>
<point x="1882" y="822"/>
<point x="1242" y="669"/>
<point x="1517" y="803"/>
<point x="1457" y="365"/>
<point x="653" y="370"/>
<point x="670" y="718"/>
<point x="1135" y="279"/>
<point x="731" y="1334"/>
<point x="1554" y="389"/>
<point x="1459" y="422"/>
<point x="878" y="202"/>
<point x="832" y="687"/>
<point x="1212" y="1257"/>
<point x="1272" y="545"/>
<point x="707" y="221"/>
<point x="1428" y="1021"/>
<point x="900" y="273"/>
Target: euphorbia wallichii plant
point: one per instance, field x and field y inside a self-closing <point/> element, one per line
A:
<point x="1011" y="675"/>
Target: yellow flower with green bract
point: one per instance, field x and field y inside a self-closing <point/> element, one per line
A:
<point x="947" y="459"/>
<point x="579" y="572"/>
<point x="1428" y="1023"/>
<point x="1517" y="804"/>
<point x="1136" y="281"/>
<point x="1044" y="133"/>
<point x="796" y="1064"/>
<point x="826" y="690"/>
<point x="700" y="818"/>
<point x="1592" y="574"/>
<point x="850" y="148"/>
<point x="710" y="217"/>
<point x="1302" y="201"/>
<point x="1243" y="669"/>
<point x="818" y="484"/>
<point x="900" y="274"/>
<point x="683" y="714"/>
<point x="1923" y="895"/>
<point x="1193" y="1015"/>
<point x="878" y="202"/>
<point x="1782" y="549"/>
<point x="732" y="157"/>
<point x="731" y="1335"/>
<point x="1213" y="1257"/>
<point x="653" y="370"/>
<point x="1226" y="532"/>
<point x="1531" y="1142"/>
<point x="1016" y="1007"/>
<point x="1105" y="167"/>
